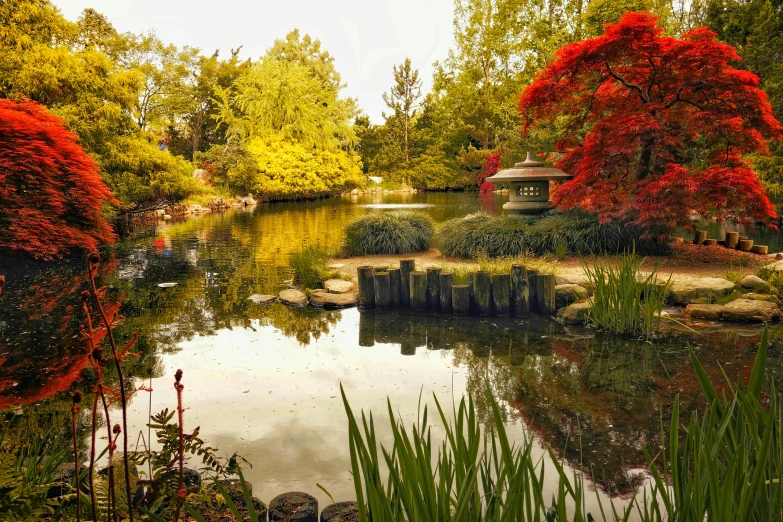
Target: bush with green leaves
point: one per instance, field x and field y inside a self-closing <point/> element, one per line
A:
<point x="396" y="232"/>
<point x="507" y="235"/>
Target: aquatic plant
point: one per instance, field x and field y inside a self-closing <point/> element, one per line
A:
<point x="626" y="301"/>
<point x="310" y="267"/>
<point x="397" y="232"/>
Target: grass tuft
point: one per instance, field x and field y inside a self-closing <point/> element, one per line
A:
<point x="398" y="232"/>
<point x="310" y="267"/>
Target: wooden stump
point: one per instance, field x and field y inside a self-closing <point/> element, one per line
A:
<point x="745" y="245"/>
<point x="699" y="237"/>
<point x="406" y="267"/>
<point x="382" y="290"/>
<point x="501" y="294"/>
<point x="532" y="288"/>
<point x="433" y="288"/>
<point x="545" y="293"/>
<point x="366" y="286"/>
<point x="482" y="292"/>
<point x="741" y="238"/>
<point x="520" y="295"/>
<point x="395" y="287"/>
<point x="732" y="239"/>
<point x="709" y="242"/>
<point x="418" y="290"/>
<point x="446" y="281"/>
<point x="760" y="249"/>
<point x="460" y="299"/>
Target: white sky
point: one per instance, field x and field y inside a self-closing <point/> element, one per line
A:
<point x="366" y="37"/>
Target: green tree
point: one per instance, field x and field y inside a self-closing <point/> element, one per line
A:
<point x="403" y="99"/>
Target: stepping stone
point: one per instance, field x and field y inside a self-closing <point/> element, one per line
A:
<point x="750" y="311"/>
<point x="759" y="297"/>
<point x="167" y="285"/>
<point x="576" y="313"/>
<point x="705" y="312"/>
<point x="336" y="266"/>
<point x="567" y="294"/>
<point x="262" y="299"/>
<point x="323" y="299"/>
<point x="688" y="290"/>
<point x="293" y="507"/>
<point x="338" y="286"/>
<point x="341" y="512"/>
<point x="293" y="297"/>
<point x="755" y="284"/>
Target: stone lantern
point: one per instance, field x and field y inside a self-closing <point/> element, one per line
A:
<point x="529" y="185"/>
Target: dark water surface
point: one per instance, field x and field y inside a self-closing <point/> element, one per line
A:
<point x="264" y="381"/>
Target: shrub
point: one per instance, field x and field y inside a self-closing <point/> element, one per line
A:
<point x="310" y="267"/>
<point x="397" y="232"/>
<point x="572" y="232"/>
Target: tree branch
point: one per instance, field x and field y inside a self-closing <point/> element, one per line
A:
<point x="632" y="86"/>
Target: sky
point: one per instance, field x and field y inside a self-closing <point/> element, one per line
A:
<point x="366" y="37"/>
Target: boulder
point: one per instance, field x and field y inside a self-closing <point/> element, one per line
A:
<point x="341" y="512"/>
<point x="777" y="266"/>
<point x="339" y="286"/>
<point x="750" y="311"/>
<point x="262" y="298"/>
<point x="292" y="297"/>
<point x="706" y="312"/>
<point x="324" y="299"/>
<point x="687" y="290"/>
<point x="293" y="507"/>
<point x="568" y="293"/>
<point x="755" y="284"/>
<point x="576" y="313"/>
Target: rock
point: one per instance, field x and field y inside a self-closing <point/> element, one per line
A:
<point x="336" y="266"/>
<point x="262" y="298"/>
<point x="750" y="311"/>
<point x="234" y="489"/>
<point x="759" y="297"/>
<point x="166" y="216"/>
<point x="167" y="285"/>
<point x="755" y="284"/>
<point x="576" y="313"/>
<point x="292" y="297"/>
<point x="293" y="507"/>
<point x="706" y="312"/>
<point x="777" y="266"/>
<point x="687" y="290"/>
<point x="339" y="286"/>
<point x="324" y="299"/>
<point x="202" y="175"/>
<point x="567" y="294"/>
<point x="341" y="512"/>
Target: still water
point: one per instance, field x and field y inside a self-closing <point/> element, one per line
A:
<point x="265" y="381"/>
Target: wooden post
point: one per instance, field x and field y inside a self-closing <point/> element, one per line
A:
<point x="732" y="238"/>
<point x="418" y="290"/>
<point x="460" y="299"/>
<point x="745" y="245"/>
<point x="395" y="287"/>
<point x="366" y="286"/>
<point x="532" y="288"/>
<point x="710" y="242"/>
<point x="501" y="294"/>
<point x="740" y="239"/>
<point x="473" y="310"/>
<point x="406" y="267"/>
<point x="482" y="292"/>
<point x="433" y="288"/>
<point x="699" y="237"/>
<point x="760" y="249"/>
<point x="520" y="295"/>
<point x="382" y="290"/>
<point x="445" y="282"/>
<point x="545" y="293"/>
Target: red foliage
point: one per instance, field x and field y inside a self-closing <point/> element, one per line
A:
<point x="491" y="167"/>
<point x="656" y="126"/>
<point x="51" y="191"/>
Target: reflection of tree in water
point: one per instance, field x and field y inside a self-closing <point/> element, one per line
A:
<point x="304" y="324"/>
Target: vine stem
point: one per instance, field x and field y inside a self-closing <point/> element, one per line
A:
<point x="75" y="408"/>
<point x="92" y="263"/>
<point x="181" y="490"/>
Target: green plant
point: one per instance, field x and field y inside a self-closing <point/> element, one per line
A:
<point x="735" y="275"/>
<point x="397" y="232"/>
<point x="310" y="267"/>
<point x="625" y="301"/>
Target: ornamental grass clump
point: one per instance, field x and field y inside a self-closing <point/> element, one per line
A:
<point x="310" y="267"/>
<point x="397" y="232"/>
<point x="625" y="301"/>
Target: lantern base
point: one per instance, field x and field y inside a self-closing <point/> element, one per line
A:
<point x="528" y="207"/>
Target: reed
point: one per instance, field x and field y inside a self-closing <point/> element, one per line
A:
<point x="310" y="267"/>
<point x="625" y="301"/>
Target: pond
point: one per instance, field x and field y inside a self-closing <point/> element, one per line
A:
<point x="265" y="381"/>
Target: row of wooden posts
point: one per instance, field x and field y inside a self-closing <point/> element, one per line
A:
<point x="516" y="294"/>
<point x="733" y="240"/>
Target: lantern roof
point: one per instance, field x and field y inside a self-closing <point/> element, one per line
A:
<point x="529" y="170"/>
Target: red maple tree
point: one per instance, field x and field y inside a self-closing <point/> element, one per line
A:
<point x="51" y="193"/>
<point x="656" y="127"/>
<point x="491" y="167"/>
